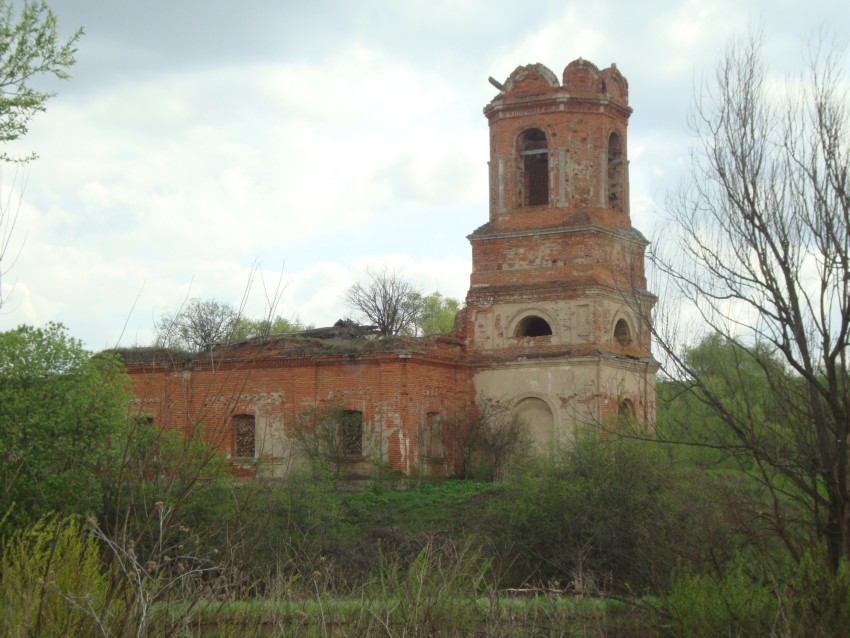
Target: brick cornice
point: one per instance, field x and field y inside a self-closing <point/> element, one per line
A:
<point x="504" y="107"/>
<point x="631" y="235"/>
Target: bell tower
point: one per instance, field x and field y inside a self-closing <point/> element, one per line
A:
<point x="557" y="305"/>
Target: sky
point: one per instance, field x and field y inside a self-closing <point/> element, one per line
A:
<point x="267" y="153"/>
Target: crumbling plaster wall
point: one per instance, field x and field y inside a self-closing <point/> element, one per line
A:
<point x="584" y="390"/>
<point x="586" y="321"/>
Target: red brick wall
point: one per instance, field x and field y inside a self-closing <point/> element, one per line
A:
<point x="577" y="120"/>
<point x="577" y="257"/>
<point x="394" y="391"/>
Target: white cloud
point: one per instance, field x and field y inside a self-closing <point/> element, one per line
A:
<point x="341" y="137"/>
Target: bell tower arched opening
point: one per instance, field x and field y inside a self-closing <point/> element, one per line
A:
<point x="533" y="326"/>
<point x="534" y="165"/>
<point x="615" y="172"/>
<point x="622" y="332"/>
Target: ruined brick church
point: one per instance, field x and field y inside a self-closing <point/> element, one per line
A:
<point x="554" y="324"/>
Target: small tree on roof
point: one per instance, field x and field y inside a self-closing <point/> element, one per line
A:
<point x="387" y="300"/>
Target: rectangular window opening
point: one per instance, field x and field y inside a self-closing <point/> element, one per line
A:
<point x="352" y="432"/>
<point x="244" y="426"/>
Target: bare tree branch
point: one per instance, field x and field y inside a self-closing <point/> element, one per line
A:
<point x="387" y="300"/>
<point x="763" y="259"/>
<point x="197" y="326"/>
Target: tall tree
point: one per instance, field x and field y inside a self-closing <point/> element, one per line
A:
<point x="60" y="410"/>
<point x="30" y="47"/>
<point x="764" y="238"/>
<point x="387" y="300"/>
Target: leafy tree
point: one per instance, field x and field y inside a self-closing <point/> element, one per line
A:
<point x="60" y="410"/>
<point x="197" y="326"/>
<point x="29" y="47"/>
<point x="437" y="314"/>
<point x="764" y="259"/>
<point x="387" y="300"/>
<point x="734" y="377"/>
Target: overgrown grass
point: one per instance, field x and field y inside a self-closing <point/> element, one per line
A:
<point x="364" y="616"/>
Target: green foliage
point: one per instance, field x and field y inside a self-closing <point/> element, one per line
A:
<point x="153" y="474"/>
<point x="172" y="458"/>
<point x="51" y="582"/>
<point x="730" y="605"/>
<point x="29" y="47"/>
<point x="738" y="395"/>
<point x="320" y="436"/>
<point x="421" y="509"/>
<point x="395" y="307"/>
<point x="274" y="531"/>
<point x="737" y="420"/>
<point x="815" y="601"/>
<point x="386" y="300"/>
<point x="201" y="324"/>
<point x="61" y="410"/>
<point x="246" y="328"/>
<point x="437" y="314"/>
<point x="767" y="199"/>
<point x="595" y="515"/>
<point x="749" y="598"/>
<point x="303" y="533"/>
<point x="154" y="465"/>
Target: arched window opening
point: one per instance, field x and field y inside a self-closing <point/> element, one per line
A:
<point x="622" y="332"/>
<point x="533" y="326"/>
<point x="245" y="435"/>
<point x="626" y="412"/>
<point x="615" y="172"/>
<point x="352" y="432"/>
<point x="534" y="161"/>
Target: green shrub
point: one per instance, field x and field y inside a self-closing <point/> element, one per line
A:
<point x="731" y="604"/>
<point x="815" y="600"/>
<point x="761" y="596"/>
<point x="51" y="583"/>
<point x="269" y="530"/>
<point x="595" y="515"/>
